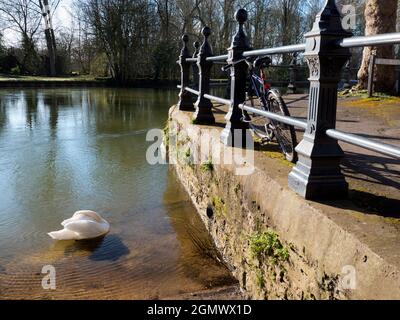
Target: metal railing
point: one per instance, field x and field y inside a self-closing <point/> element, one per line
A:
<point x="317" y="174"/>
<point x="373" y="61"/>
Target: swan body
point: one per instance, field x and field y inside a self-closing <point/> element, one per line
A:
<point x="83" y="225"/>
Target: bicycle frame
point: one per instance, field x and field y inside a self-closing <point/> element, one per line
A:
<point x="257" y="84"/>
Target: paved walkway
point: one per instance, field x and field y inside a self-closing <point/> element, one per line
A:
<point x="367" y="172"/>
<point x="374" y="179"/>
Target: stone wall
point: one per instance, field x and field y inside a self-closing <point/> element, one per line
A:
<point x="277" y="245"/>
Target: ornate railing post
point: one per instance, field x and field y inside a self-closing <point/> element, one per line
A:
<point x="239" y="74"/>
<point x="204" y="114"/>
<point x="317" y="174"/>
<point x="196" y="78"/>
<point x="291" y="89"/>
<point x="347" y="76"/>
<point x="185" y="99"/>
<point x="371" y="75"/>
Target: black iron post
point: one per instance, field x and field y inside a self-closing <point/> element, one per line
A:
<point x="397" y="80"/>
<point x="204" y="114"/>
<point x="371" y="75"/>
<point x="196" y="78"/>
<point x="347" y="76"/>
<point x="291" y="89"/>
<point x="185" y="99"/>
<point x="317" y="174"/>
<point x="239" y="74"/>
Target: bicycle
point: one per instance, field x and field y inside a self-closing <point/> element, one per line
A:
<point x="268" y="100"/>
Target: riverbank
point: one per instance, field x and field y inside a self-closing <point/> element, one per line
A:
<point x="50" y="82"/>
<point x="8" y="81"/>
<point x="280" y="246"/>
<point x="79" y="81"/>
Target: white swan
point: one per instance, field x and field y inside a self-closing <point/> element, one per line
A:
<point x="82" y="226"/>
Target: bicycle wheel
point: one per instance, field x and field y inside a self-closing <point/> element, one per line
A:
<point x="285" y="134"/>
<point x="259" y="124"/>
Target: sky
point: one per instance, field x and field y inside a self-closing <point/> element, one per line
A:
<point x="62" y="18"/>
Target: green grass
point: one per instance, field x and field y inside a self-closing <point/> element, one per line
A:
<point x="43" y="78"/>
<point x="207" y="166"/>
<point x="219" y="206"/>
<point x="363" y="94"/>
<point x="268" y="245"/>
<point x="272" y="151"/>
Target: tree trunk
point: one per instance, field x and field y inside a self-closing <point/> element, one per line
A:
<point x="380" y="18"/>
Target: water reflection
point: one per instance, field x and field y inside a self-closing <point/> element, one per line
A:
<point x="31" y="103"/>
<point x="110" y="248"/>
<point x="199" y="259"/>
<point x="68" y="150"/>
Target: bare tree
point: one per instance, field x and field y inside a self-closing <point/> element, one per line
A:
<point x="122" y="28"/>
<point x="65" y="47"/>
<point x="49" y="32"/>
<point x="23" y="17"/>
<point x="85" y="45"/>
<point x="164" y="11"/>
<point x="260" y="28"/>
<point x="187" y="15"/>
<point x="142" y="37"/>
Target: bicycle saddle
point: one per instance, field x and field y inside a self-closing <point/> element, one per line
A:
<point x="262" y="62"/>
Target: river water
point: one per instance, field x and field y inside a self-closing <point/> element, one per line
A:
<point x="63" y="150"/>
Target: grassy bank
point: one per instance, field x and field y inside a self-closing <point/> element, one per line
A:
<point x="9" y="81"/>
<point x="6" y="78"/>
